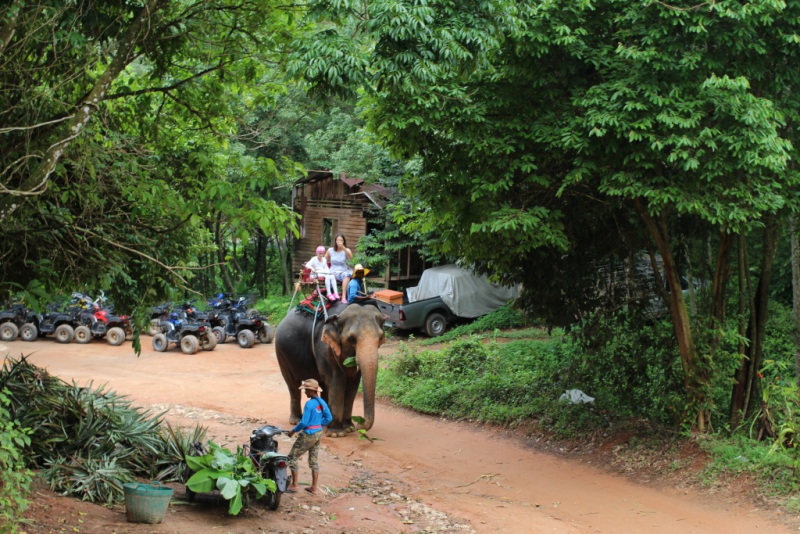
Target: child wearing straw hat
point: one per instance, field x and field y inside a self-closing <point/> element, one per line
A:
<point x="316" y="415"/>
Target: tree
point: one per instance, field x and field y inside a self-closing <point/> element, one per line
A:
<point x="517" y="111"/>
<point x="120" y="149"/>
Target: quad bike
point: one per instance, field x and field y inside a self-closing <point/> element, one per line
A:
<point x="157" y="314"/>
<point x="18" y="319"/>
<point x="100" y="321"/>
<point x="270" y="464"/>
<point x="245" y="328"/>
<point x="62" y="323"/>
<point x="190" y="335"/>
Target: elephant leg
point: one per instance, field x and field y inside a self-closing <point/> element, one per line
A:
<point x="295" y="408"/>
<point x="336" y="395"/>
<point x="351" y="390"/>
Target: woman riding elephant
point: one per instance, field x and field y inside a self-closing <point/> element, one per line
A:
<point x="309" y="348"/>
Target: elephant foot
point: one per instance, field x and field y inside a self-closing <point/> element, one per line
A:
<point x="339" y="432"/>
<point x="349" y="426"/>
<point x="294" y="419"/>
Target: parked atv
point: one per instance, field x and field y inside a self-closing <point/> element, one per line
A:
<point x="62" y="323"/>
<point x="190" y="335"/>
<point x="246" y="329"/>
<point x="100" y="321"/>
<point x="158" y="314"/>
<point x="16" y="320"/>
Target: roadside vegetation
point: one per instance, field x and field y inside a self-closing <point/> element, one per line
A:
<point x="628" y="363"/>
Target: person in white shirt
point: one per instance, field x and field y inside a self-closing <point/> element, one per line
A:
<point x="318" y="266"/>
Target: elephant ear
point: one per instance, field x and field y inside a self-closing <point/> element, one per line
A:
<point x="330" y="335"/>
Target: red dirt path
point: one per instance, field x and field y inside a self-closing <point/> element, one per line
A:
<point x="425" y="475"/>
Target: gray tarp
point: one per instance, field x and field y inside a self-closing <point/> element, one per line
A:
<point x="466" y="294"/>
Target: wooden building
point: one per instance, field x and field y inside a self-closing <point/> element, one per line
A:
<point x="331" y="205"/>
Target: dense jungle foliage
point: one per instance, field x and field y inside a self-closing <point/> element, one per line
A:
<point x="631" y="164"/>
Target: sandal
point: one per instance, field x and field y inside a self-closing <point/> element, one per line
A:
<point x="289" y="490"/>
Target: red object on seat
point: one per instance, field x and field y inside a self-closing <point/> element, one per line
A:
<point x="305" y="276"/>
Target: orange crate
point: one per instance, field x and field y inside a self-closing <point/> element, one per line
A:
<point x="387" y="295"/>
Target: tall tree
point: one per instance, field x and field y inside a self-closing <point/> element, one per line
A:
<point x="515" y="109"/>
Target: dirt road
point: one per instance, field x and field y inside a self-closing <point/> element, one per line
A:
<point x="425" y="475"/>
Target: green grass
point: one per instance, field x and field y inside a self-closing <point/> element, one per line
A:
<point x="500" y="383"/>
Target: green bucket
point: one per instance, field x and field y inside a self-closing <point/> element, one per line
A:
<point x="146" y="503"/>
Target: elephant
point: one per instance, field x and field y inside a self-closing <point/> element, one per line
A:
<point x="351" y="330"/>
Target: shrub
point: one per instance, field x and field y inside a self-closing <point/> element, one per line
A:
<point x="15" y="479"/>
<point x="502" y="318"/>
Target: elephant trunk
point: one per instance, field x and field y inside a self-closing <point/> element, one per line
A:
<point x="369" y="373"/>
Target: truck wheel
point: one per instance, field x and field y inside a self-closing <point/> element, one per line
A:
<point x="160" y="343"/>
<point x="219" y="331"/>
<point x="115" y="336"/>
<point x="266" y="334"/>
<point x="8" y="331"/>
<point x="154" y="328"/>
<point x="28" y="332"/>
<point x="246" y="339"/>
<point x="435" y="325"/>
<point x="208" y="341"/>
<point x="83" y="334"/>
<point x="64" y="333"/>
<point x="190" y="344"/>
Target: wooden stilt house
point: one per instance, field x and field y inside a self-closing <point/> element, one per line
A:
<point x="338" y="204"/>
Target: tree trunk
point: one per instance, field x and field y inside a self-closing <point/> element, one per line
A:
<point x="695" y="380"/>
<point x="37" y="180"/>
<point x="285" y="269"/>
<point x="221" y="255"/>
<point x="745" y="379"/>
<point x="796" y="296"/>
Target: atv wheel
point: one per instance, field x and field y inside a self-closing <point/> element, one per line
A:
<point x="115" y="336"/>
<point x="266" y="334"/>
<point x="219" y="331"/>
<point x="64" y="333"/>
<point x="246" y="339"/>
<point x="208" y="341"/>
<point x="190" y="344"/>
<point x="251" y="313"/>
<point x="28" y="332"/>
<point x="83" y="334"/>
<point x="160" y="343"/>
<point x="8" y="332"/>
<point x="154" y="328"/>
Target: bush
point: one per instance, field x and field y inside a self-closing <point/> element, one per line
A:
<point x="275" y="307"/>
<point x="89" y="442"/>
<point x="15" y="479"/>
<point x="493" y="382"/>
